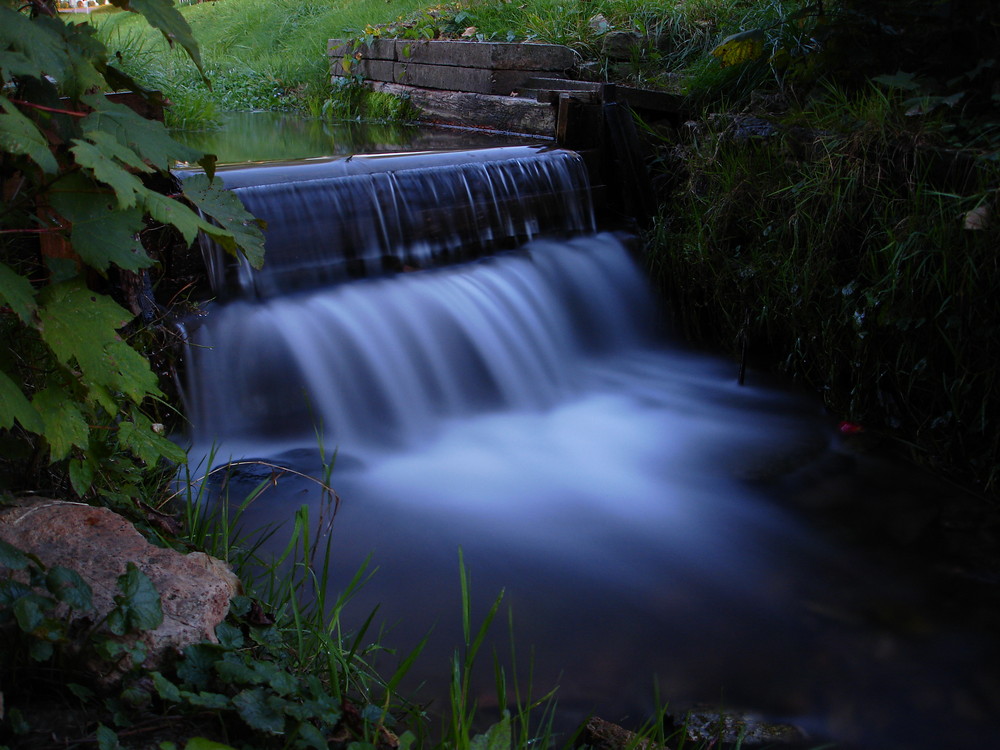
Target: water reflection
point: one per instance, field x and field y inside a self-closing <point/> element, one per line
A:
<point x="278" y="136"/>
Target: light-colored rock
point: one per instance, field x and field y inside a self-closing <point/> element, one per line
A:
<point x="195" y="589"/>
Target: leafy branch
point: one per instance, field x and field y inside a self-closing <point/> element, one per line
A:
<point x="83" y="176"/>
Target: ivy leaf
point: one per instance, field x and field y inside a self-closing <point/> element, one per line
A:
<point x="11" y="557"/>
<point x="138" y="606"/>
<point x="64" y="423"/>
<point x="19" y="135"/>
<point x="162" y="15"/>
<point x="69" y="587"/>
<point x="107" y="739"/>
<point x="81" y="324"/>
<point x="167" y="690"/>
<point x="17" y="292"/>
<point x="258" y="712"/>
<point x="101" y="233"/>
<point x="15" y="405"/>
<point x="215" y="701"/>
<point x="740" y="48"/>
<point x="223" y="205"/>
<point x="196" y="667"/>
<point x="147" y="138"/>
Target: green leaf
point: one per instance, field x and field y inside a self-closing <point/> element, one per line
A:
<point x="102" y="233"/>
<point x="107" y="739"/>
<point x="41" y="650"/>
<point x="167" y="690"/>
<point x="213" y="199"/>
<point x="80" y="324"/>
<point x="65" y="425"/>
<point x="141" y="438"/>
<point x="81" y="475"/>
<point x="310" y="736"/>
<point x="17" y="292"/>
<point x="162" y="15"/>
<point x="15" y="405"/>
<point x="188" y="223"/>
<point x="11" y="557"/>
<point x="97" y="155"/>
<point x="29" y="613"/>
<point x="258" y="711"/>
<point x="31" y="47"/>
<point x="497" y="737"/>
<point x="69" y="587"/>
<point x="196" y="668"/>
<point x="200" y="743"/>
<point x="147" y="138"/>
<point x="740" y="48"/>
<point x="19" y="135"/>
<point x="230" y="637"/>
<point x="138" y="606"/>
<point x="232" y="669"/>
<point x="214" y="701"/>
<point x="899" y="80"/>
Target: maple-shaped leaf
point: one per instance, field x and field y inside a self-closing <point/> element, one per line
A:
<point x="101" y="232"/>
<point x="110" y="162"/>
<point x="30" y="46"/>
<point x="226" y="208"/>
<point x="740" y="48"/>
<point x="64" y="423"/>
<point x="147" y="138"/>
<point x="81" y="324"/>
<point x="15" y="405"/>
<point x="169" y="211"/>
<point x="139" y="437"/>
<point x="17" y="292"/>
<point x="19" y="135"/>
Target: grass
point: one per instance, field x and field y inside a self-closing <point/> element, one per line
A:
<point x="270" y="54"/>
<point x="842" y="253"/>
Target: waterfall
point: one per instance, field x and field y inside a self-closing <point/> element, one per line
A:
<point x="331" y="220"/>
<point x="489" y="370"/>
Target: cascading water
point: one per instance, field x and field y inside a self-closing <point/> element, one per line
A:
<point x="525" y="407"/>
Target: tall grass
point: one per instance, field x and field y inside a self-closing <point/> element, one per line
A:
<point x="258" y="54"/>
<point x="840" y="252"/>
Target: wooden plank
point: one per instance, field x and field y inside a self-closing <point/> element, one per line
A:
<point x="656" y="101"/>
<point x="560" y="84"/>
<point x="501" y="113"/>
<point x="448" y="78"/>
<point x="489" y="55"/>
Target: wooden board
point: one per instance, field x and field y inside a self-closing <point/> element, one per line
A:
<point x="502" y="113"/>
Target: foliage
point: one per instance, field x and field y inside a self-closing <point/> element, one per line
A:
<point x="854" y="258"/>
<point x="83" y="176"/>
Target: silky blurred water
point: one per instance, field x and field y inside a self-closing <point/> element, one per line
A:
<point x="629" y="498"/>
